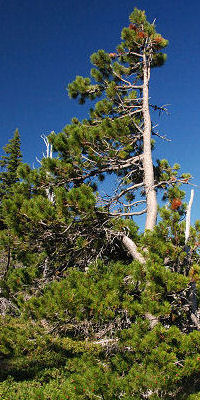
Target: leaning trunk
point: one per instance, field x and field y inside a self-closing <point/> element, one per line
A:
<point x="147" y="154"/>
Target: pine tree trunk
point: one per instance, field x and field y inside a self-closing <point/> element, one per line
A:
<point x="147" y="158"/>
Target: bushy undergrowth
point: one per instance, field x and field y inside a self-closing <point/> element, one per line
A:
<point x="85" y="337"/>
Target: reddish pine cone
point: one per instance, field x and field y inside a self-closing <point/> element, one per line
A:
<point x="141" y="35"/>
<point x="113" y="55"/>
<point x="133" y="27"/>
<point x="176" y="203"/>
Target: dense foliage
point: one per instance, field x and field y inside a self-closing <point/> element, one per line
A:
<point x="83" y="314"/>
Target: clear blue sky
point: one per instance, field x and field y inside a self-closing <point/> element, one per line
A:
<point x="45" y="44"/>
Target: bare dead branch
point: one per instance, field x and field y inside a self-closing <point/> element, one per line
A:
<point x="128" y="214"/>
<point x="153" y="321"/>
<point x="134" y="204"/>
<point x="195" y="320"/>
<point x="132" y="249"/>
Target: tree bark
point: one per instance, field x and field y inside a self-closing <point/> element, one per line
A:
<point x="188" y="214"/>
<point x="147" y="153"/>
<point x="132" y="249"/>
